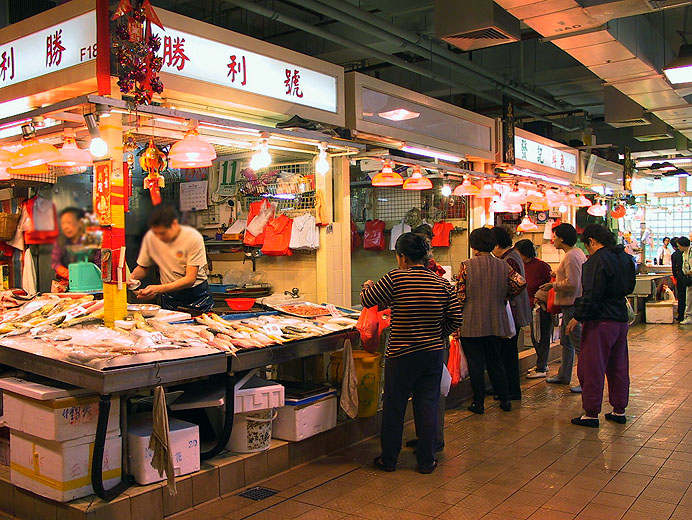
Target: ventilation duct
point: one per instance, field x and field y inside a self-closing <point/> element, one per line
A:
<point x="474" y="24"/>
<point x="621" y="111"/>
<point x="656" y="131"/>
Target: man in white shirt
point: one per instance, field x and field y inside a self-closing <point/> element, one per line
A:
<point x="181" y="257"/>
<point x="684" y="247"/>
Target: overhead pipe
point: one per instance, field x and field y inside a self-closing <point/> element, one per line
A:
<point x="397" y="34"/>
<point x="367" y="50"/>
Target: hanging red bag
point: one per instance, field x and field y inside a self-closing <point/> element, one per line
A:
<point x="454" y="362"/>
<point x="277" y="237"/>
<point x="441" y="231"/>
<point x="260" y="214"/>
<point x="368" y="326"/>
<point x="550" y="306"/>
<point x="356" y="240"/>
<point x="373" y="240"/>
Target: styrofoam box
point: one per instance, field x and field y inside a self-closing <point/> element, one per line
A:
<point x="57" y="419"/>
<point x="184" y="438"/>
<point x="53" y="413"/>
<point x="257" y="394"/>
<point x="61" y="471"/>
<point x="301" y="419"/>
<point x="660" y="312"/>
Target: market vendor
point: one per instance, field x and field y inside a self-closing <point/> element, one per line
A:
<point x="72" y="238"/>
<point x="179" y="253"/>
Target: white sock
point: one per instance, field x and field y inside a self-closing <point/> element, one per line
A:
<point x="587" y="417"/>
<point x="618" y="414"/>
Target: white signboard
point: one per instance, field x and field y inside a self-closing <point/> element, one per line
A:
<point x="55" y="48"/>
<point x="537" y="153"/>
<point x="193" y="57"/>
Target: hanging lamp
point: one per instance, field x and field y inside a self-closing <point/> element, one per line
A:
<point x="538" y="206"/>
<point x="416" y="181"/>
<point x="527" y="225"/>
<point x="488" y="191"/>
<point x="387" y="177"/>
<point x="584" y="202"/>
<point x="598" y="210"/>
<point x="5" y="158"/>
<point x="71" y="156"/>
<point x="33" y="152"/>
<point x="501" y="206"/>
<point x="515" y="196"/>
<point x="191" y="152"/>
<point x="535" y="196"/>
<point x="262" y="158"/>
<point x="466" y="189"/>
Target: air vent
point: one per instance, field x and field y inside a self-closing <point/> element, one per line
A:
<point x="638" y="121"/>
<point x="621" y="111"/>
<point x="653" y="137"/>
<point x="474" y="24"/>
<point x="657" y="131"/>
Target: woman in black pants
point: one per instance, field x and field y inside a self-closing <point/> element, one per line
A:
<point x="424" y="308"/>
<point x="484" y="285"/>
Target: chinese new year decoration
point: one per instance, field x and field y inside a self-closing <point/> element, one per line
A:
<point x="153" y="161"/>
<point x="135" y="49"/>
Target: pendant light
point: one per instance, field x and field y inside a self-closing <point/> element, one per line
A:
<point x="262" y="158"/>
<point x="515" y="196"/>
<point x="98" y="147"/>
<point x="539" y="206"/>
<point x="387" y="177"/>
<point x="322" y="162"/>
<point x="584" y="202"/>
<point x="446" y="190"/>
<point x="553" y="198"/>
<point x="191" y="152"/>
<point x="466" y="189"/>
<point x="71" y="156"/>
<point x="5" y="158"/>
<point x="33" y="152"/>
<point x="501" y="206"/>
<point x="535" y="196"/>
<point x="4" y="176"/>
<point x="487" y="191"/>
<point x="527" y="225"/>
<point x="597" y="210"/>
<point x="416" y="181"/>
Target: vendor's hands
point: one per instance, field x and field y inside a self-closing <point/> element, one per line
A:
<point x="62" y="272"/>
<point x="546" y="286"/>
<point x="150" y="291"/>
<point x="571" y="326"/>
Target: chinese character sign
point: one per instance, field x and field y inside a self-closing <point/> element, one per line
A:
<point x="193" y="57"/>
<point x="538" y="153"/>
<point x="58" y="47"/>
<point x="102" y="191"/>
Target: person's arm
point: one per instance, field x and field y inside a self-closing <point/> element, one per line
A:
<point x="181" y="283"/>
<point x="379" y="293"/>
<point x="572" y="274"/>
<point x="513" y="264"/>
<point x="452" y="319"/>
<point x="461" y="286"/>
<point x="594" y="285"/>
<point x="56" y="261"/>
<point x="139" y="273"/>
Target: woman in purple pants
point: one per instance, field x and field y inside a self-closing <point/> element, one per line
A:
<point x="608" y="276"/>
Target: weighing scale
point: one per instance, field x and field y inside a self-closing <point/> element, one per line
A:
<point x="85" y="276"/>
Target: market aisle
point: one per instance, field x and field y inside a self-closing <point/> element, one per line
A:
<point x="531" y="463"/>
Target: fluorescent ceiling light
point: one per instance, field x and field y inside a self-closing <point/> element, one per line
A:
<point x="432" y="153"/>
<point x="677" y="160"/>
<point x="534" y="175"/>
<point x="605" y="173"/>
<point x="399" y="114"/>
<point x="680" y="69"/>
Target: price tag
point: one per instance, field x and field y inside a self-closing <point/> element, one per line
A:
<point x="333" y="310"/>
<point x="75" y="313"/>
<point x="273" y="329"/>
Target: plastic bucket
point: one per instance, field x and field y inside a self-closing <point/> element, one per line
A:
<point x="369" y="374"/>
<point x="252" y="432"/>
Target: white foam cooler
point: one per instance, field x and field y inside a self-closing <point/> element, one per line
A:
<point x="303" y="418"/>
<point x="660" y="312"/>
<point x="184" y="437"/>
<point x="61" y="471"/>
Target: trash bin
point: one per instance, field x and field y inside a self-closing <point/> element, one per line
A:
<point x="369" y="375"/>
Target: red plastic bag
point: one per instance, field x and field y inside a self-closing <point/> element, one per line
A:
<point x="550" y="304"/>
<point x="373" y="239"/>
<point x="457" y="365"/>
<point x="356" y="240"/>
<point x="368" y="326"/>
<point x="278" y="237"/>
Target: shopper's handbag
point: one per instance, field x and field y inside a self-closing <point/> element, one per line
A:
<point x="373" y="239"/>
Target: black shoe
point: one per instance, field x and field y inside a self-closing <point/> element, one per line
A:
<point x="413" y="443"/>
<point x="588" y="421"/>
<point x="428" y="470"/>
<point x="476" y="408"/>
<point x="506" y="405"/>
<point x="620" y="419"/>
<point x="378" y="463"/>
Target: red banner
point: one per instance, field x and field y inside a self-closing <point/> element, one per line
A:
<point x="102" y="191"/>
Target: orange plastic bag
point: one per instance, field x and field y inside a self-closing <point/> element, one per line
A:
<point x="368" y="326"/>
<point x="457" y="365"/>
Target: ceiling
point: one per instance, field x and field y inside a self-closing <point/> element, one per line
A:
<point x="568" y="52"/>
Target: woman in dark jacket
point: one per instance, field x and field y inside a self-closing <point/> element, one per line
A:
<point x="484" y="285"/>
<point x="608" y="276"/>
<point x="424" y="309"/>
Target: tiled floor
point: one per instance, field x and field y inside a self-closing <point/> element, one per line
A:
<point x="530" y="463"/>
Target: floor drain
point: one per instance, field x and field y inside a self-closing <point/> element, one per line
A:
<point x="258" y="493"/>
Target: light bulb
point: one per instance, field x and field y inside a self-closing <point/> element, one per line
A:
<point x="262" y="158"/>
<point x="98" y="147"/>
<point x="562" y="209"/>
<point x="322" y="163"/>
<point x="446" y="190"/>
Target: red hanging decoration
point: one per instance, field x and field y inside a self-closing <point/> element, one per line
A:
<point x="135" y="49"/>
<point x="153" y="161"/>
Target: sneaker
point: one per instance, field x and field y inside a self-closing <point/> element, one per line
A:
<point x="536" y="374"/>
<point x="575" y="389"/>
<point x="686" y="321"/>
<point x="557" y="380"/>
<point x="591" y="422"/>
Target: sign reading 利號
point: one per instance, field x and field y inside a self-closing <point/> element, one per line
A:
<point x="537" y="153"/>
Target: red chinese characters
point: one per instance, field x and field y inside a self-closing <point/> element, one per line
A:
<point x="174" y="52"/>
<point x="237" y="68"/>
<point x="292" y="83"/>
<point x="54" y="48"/>
<point x="7" y="64"/>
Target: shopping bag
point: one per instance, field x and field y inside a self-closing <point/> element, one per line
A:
<point x="445" y="382"/>
<point x="373" y="239"/>
<point x="463" y="364"/>
<point x="349" y="385"/>
<point x="368" y="326"/>
<point x="454" y="362"/>
<point x="356" y="240"/>
<point x="550" y="304"/>
<point x="510" y="316"/>
<point x="536" y="324"/>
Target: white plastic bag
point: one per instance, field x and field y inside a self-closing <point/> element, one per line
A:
<point x="510" y="316"/>
<point x="257" y="225"/>
<point x="445" y="381"/>
<point x="349" y="386"/>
